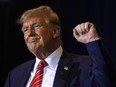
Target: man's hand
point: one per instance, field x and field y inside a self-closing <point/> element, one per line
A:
<point x="85" y="32"/>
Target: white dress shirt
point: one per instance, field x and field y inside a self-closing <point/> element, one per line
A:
<point x="49" y="70"/>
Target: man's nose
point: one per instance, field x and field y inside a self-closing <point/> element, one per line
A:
<point x="31" y="31"/>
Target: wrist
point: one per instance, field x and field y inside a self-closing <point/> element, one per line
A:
<point x="93" y="39"/>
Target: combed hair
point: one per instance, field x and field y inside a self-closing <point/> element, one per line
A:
<point x="44" y="11"/>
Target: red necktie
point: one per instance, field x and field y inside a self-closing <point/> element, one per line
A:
<point x="37" y="80"/>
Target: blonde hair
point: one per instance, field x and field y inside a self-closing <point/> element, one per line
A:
<point x="46" y="11"/>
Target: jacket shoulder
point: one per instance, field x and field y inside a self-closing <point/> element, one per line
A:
<point x="23" y="66"/>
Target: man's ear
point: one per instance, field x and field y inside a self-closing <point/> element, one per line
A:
<point x="56" y="33"/>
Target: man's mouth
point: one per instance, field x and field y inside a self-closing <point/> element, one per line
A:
<point x="31" y="40"/>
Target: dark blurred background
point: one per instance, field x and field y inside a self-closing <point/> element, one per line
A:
<point x="71" y="12"/>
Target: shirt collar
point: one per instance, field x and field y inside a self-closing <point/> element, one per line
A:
<point x="52" y="59"/>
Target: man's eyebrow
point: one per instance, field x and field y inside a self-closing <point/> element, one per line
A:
<point x="35" y="23"/>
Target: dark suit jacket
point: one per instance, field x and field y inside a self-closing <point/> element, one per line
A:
<point x="73" y="70"/>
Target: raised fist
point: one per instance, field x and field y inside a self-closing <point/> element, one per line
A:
<point x="85" y="32"/>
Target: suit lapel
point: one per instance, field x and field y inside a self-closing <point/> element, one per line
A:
<point x="26" y="74"/>
<point x="63" y="71"/>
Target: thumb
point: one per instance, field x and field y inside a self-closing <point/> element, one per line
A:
<point x="75" y="33"/>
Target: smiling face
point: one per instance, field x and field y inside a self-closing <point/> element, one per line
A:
<point x="38" y="34"/>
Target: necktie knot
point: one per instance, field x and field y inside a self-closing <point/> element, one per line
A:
<point x="43" y="63"/>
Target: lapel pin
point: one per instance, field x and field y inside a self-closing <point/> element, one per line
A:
<point x="66" y="68"/>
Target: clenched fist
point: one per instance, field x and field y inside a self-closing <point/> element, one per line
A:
<point x="85" y="32"/>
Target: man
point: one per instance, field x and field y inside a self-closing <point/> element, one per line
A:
<point x="42" y="34"/>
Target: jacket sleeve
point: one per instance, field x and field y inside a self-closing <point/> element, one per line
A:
<point x="101" y="67"/>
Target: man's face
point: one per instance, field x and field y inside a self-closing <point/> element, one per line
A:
<point x="38" y="34"/>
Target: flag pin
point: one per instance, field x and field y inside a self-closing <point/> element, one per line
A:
<point x="65" y="68"/>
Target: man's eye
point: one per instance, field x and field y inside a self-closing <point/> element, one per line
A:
<point x="24" y="30"/>
<point x="36" y="26"/>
